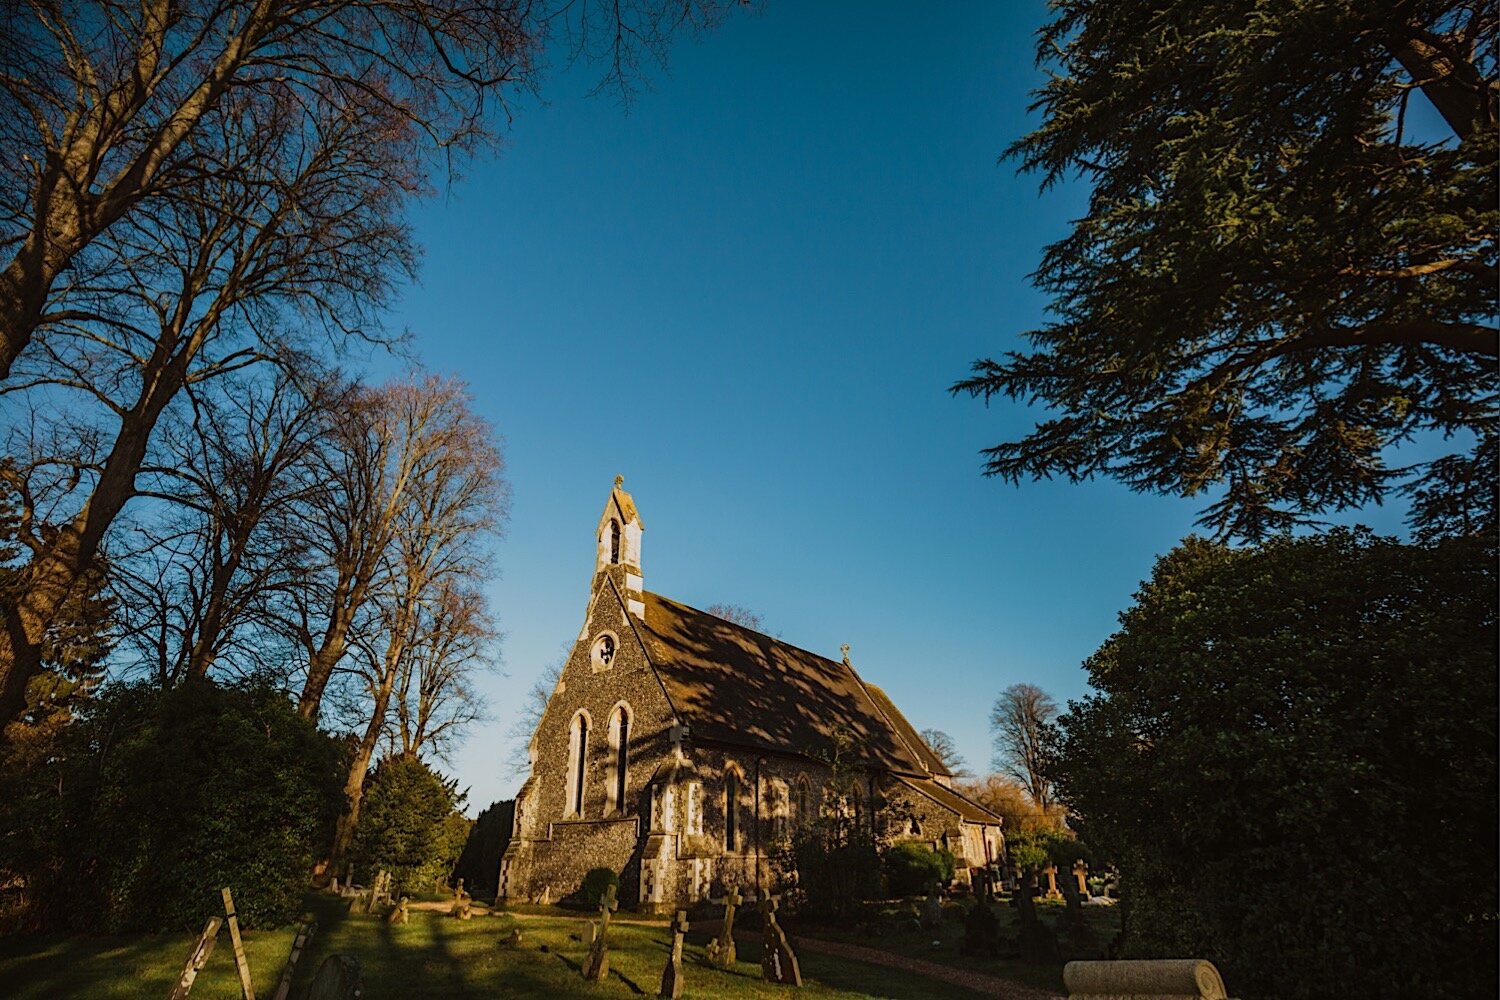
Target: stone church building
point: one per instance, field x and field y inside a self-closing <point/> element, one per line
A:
<point x="680" y="749"/>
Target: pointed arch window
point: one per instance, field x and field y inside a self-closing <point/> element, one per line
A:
<point x="614" y="540"/>
<point x="578" y="748"/>
<point x="619" y="757"/>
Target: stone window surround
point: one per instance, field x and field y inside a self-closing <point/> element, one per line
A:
<point x="578" y="745"/>
<point x="618" y="756"/>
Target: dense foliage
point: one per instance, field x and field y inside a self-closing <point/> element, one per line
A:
<point x="1285" y="265"/>
<point x="141" y="811"/>
<point x="409" y="825"/>
<point x="596" y="882"/>
<point x="912" y="867"/>
<point x="1291" y="757"/>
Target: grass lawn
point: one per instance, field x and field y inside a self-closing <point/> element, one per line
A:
<point x="903" y="939"/>
<point x="434" y="956"/>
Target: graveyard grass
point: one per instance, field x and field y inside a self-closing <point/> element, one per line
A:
<point x="434" y="956"/>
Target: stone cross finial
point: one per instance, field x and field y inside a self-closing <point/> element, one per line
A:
<point x="671" y="976"/>
<point x="619" y="481"/>
<point x="845" y="650"/>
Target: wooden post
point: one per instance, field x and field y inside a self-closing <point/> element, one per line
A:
<point x="196" y="959"/>
<point x="304" y="934"/>
<point x="241" y="964"/>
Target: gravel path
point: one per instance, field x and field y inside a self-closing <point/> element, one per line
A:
<point x="990" y="986"/>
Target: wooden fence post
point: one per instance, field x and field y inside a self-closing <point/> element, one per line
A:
<point x="241" y="964"/>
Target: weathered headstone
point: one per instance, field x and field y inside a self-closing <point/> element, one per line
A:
<point x="777" y="962"/>
<point x="1038" y="943"/>
<point x="721" y="949"/>
<point x="338" y="978"/>
<point x="305" y="930"/>
<point x="596" y="966"/>
<point x="671" y="976"/>
<point x="932" y="908"/>
<point x="1051" y="872"/>
<point x="400" y="914"/>
<point x="1081" y="876"/>
<point x="513" y="939"/>
<point x="1078" y="936"/>
<point x="333" y="886"/>
<point x="545" y="897"/>
<point x="197" y="958"/>
<point x="462" y="903"/>
<point x="981" y="931"/>
<point x="241" y="963"/>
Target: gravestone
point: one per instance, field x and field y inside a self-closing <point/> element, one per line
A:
<point x="777" y="962"/>
<point x="1038" y="942"/>
<point x="305" y="930"/>
<point x="197" y="958"/>
<point x="1051" y="872"/>
<point x="1081" y="876"/>
<point x="596" y="966"/>
<point x="513" y="939"/>
<point x="333" y="886"/>
<point x="932" y="908"/>
<point x="671" y="976"/>
<point x="338" y="978"/>
<point x="981" y="931"/>
<point x="721" y="949"/>
<point x="462" y="903"/>
<point x="399" y="914"/>
<point x="1078" y="936"/>
<point x="545" y="898"/>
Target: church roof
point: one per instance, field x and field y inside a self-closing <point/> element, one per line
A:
<point x="735" y="685"/>
<point x="950" y="799"/>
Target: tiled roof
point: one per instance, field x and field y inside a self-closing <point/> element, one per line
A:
<point x="907" y="732"/>
<point x="949" y="799"/>
<point x="736" y="685"/>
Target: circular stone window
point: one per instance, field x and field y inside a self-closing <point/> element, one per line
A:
<point x="603" y="653"/>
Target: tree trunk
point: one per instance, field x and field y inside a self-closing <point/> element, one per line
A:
<point x="354" y="783"/>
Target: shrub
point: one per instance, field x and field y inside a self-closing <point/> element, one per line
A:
<point x="154" y="801"/>
<point x="912" y="867"/>
<point x="596" y="882"/>
<point x="1316" y="711"/>
<point x="409" y="825"/>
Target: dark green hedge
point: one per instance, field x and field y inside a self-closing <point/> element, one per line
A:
<point x="154" y="801"/>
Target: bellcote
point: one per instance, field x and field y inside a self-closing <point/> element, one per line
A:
<point x="619" y="546"/>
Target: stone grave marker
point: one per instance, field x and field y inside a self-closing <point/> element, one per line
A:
<point x="1038" y="943"/>
<point x="777" y="962"/>
<point x="462" y="903"/>
<point x="671" y="976"/>
<point x="1081" y="876"/>
<point x="932" y="908"/>
<point x="400" y="913"/>
<point x="241" y="964"/>
<point x="513" y="939"/>
<point x="305" y="930"/>
<point x="596" y="966"/>
<point x="721" y="949"/>
<point x="981" y="931"/>
<point x="338" y="978"/>
<point x="197" y="958"/>
<point x="1051" y="872"/>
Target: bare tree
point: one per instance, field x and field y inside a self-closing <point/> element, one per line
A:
<point x="529" y="713"/>
<point x="101" y="104"/>
<point x="203" y="287"/>
<point x="186" y="176"/>
<point x="943" y="747"/>
<point x="1020" y="714"/>
<point x="445" y="469"/>
<point x="435" y="697"/>
<point x="226" y="536"/>
<point x="737" y="614"/>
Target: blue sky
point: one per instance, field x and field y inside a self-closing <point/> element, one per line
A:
<point x="748" y="296"/>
